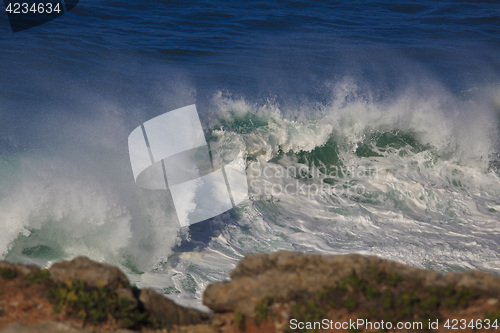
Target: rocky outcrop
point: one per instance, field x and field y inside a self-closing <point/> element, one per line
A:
<point x="281" y="274"/>
<point x="94" y="274"/>
<point x="267" y="290"/>
<point x="83" y="292"/>
<point x="264" y="293"/>
<point x="45" y="327"/>
<point x="474" y="279"/>
<point x="167" y="312"/>
<point x="17" y="269"/>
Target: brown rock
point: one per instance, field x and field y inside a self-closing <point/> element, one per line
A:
<point x="46" y="327"/>
<point x="20" y="269"/>
<point x="168" y="313"/>
<point x="201" y="328"/>
<point x="94" y="274"/>
<point x="281" y="273"/>
<point x="475" y="279"/>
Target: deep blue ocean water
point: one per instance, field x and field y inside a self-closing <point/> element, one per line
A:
<point x="357" y="73"/>
<point x="255" y="48"/>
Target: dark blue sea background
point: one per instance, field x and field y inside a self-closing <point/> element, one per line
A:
<point x="131" y="52"/>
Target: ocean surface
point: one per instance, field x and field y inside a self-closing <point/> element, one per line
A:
<point x="367" y="127"/>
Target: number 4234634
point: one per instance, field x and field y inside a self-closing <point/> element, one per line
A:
<point x="461" y="324"/>
<point x="34" y="8"/>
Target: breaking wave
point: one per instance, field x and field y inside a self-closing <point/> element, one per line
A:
<point x="413" y="178"/>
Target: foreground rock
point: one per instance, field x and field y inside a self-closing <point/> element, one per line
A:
<point x="85" y="296"/>
<point x="167" y="312"/>
<point x="53" y="327"/>
<point x="94" y="275"/>
<point x="267" y="293"/>
<point x="283" y="273"/>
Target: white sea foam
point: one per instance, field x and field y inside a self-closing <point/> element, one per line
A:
<point x="434" y="207"/>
